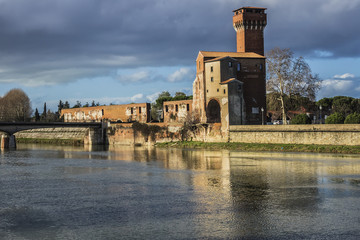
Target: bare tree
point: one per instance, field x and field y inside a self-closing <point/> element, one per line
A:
<point x="15" y="106"/>
<point x="288" y="76"/>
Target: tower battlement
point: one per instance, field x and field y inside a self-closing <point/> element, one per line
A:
<point x="249" y="24"/>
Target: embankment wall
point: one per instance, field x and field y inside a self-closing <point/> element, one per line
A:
<point x="58" y="135"/>
<point x="344" y="134"/>
<point x="127" y="134"/>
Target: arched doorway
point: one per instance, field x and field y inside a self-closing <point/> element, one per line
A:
<point x="213" y="112"/>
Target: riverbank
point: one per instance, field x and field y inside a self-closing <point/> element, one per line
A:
<point x="264" y="147"/>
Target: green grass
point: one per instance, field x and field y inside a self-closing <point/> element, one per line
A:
<point x="73" y="142"/>
<point x="265" y="147"/>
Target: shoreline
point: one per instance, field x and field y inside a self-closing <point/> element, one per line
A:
<point x="246" y="147"/>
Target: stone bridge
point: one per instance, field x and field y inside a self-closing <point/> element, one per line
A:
<point x="96" y="133"/>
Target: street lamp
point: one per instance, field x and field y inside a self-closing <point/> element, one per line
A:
<point x="320" y="107"/>
<point x="262" y="116"/>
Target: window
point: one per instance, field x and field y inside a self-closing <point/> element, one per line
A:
<point x="176" y="108"/>
<point x="139" y="110"/>
<point x="212" y="79"/>
<point x="217" y="90"/>
<point x="199" y="64"/>
<point x="211" y="69"/>
<point x="132" y="111"/>
<point x="255" y="110"/>
<point x="224" y="91"/>
<point x="238" y="67"/>
<point x="261" y="66"/>
<point x="187" y="107"/>
<point x="166" y="108"/>
<point x="207" y="90"/>
<point x="230" y="64"/>
<point x="239" y="87"/>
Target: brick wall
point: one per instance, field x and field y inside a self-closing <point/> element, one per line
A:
<point x="123" y="113"/>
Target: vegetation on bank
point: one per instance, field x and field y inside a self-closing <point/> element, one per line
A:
<point x="264" y="147"/>
<point x="69" y="142"/>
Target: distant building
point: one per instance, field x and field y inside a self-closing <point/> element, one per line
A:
<point x="230" y="87"/>
<point x="177" y="111"/>
<point x="139" y="112"/>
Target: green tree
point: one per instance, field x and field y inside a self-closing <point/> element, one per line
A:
<point x="289" y="77"/>
<point x="43" y="115"/>
<point x="37" y="115"/>
<point x="66" y="105"/>
<point x="157" y="106"/>
<point x="353" y="118"/>
<point x="301" y="119"/>
<point x="342" y="104"/>
<point x="77" y="105"/>
<point x="60" y="106"/>
<point x="335" y="118"/>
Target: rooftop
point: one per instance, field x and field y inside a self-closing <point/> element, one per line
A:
<point x="249" y="8"/>
<point x="230" y="54"/>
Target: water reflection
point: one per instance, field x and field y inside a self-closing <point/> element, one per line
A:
<point x="142" y="192"/>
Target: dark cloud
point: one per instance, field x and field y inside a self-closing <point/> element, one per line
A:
<point x="54" y="41"/>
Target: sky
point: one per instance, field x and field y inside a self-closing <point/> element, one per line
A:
<point x="124" y="51"/>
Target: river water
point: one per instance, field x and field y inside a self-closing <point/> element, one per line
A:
<point x="51" y="192"/>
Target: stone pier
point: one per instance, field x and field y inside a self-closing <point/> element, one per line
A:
<point x="5" y="140"/>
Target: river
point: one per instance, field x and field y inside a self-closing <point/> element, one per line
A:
<point x="54" y="192"/>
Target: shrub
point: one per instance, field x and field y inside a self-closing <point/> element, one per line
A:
<point x="335" y="118"/>
<point x="301" y="119"/>
<point x="353" y="118"/>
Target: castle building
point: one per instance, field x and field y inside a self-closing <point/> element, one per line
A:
<point x="230" y="87"/>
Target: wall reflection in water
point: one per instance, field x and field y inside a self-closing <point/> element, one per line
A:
<point x="229" y="194"/>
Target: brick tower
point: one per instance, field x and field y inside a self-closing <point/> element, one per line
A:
<point x="249" y="24"/>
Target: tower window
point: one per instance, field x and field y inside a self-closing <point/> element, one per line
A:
<point x="230" y="64"/>
<point x="207" y="90"/>
<point x="132" y="111"/>
<point x="176" y="108"/>
<point x="187" y="107"/>
<point x="166" y="108"/>
<point x="211" y="69"/>
<point x="238" y="67"/>
<point x="139" y="110"/>
<point x="224" y="91"/>
<point x="217" y="90"/>
<point x="212" y="79"/>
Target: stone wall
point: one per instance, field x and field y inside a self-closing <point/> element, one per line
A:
<point x="345" y="134"/>
<point x="79" y="135"/>
<point x="126" y="134"/>
<point x="177" y="111"/>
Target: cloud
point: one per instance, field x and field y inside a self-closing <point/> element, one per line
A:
<point x="345" y="76"/>
<point x="155" y="74"/>
<point x="153" y="97"/>
<point x="60" y="41"/>
<point x="340" y="85"/>
<point x="137" y="97"/>
<point x="183" y="74"/>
